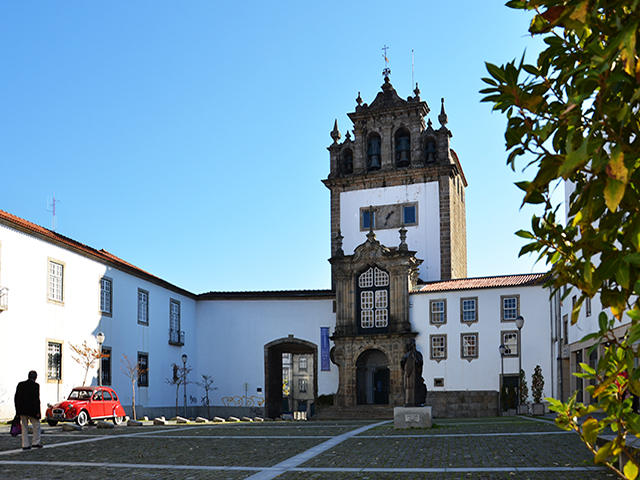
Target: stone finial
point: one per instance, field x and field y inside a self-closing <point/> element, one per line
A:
<point x="335" y="133"/>
<point x="442" y="118"/>
<point x="359" y="99"/>
<point x="403" y="239"/>
<point x="347" y="136"/>
<point x="429" y="124"/>
<point x="417" y="92"/>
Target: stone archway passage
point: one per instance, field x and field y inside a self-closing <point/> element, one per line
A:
<point x="273" y="378"/>
<point x="372" y="378"/>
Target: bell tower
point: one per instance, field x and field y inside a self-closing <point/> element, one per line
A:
<point x="406" y="170"/>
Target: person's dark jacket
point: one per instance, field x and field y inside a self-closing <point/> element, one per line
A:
<point x="27" y="399"/>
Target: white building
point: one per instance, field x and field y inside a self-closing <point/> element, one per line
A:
<point x="398" y="233"/>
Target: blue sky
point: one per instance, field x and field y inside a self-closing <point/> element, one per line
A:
<point x="189" y="138"/>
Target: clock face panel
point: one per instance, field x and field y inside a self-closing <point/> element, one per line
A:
<point x="389" y="216"/>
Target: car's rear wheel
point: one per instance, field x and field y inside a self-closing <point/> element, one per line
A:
<point x="83" y="418"/>
<point x="52" y="423"/>
<point x="118" y="420"/>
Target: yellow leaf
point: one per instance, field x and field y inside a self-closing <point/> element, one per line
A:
<point x="580" y="12"/>
<point x="613" y="193"/>
<point x="616" y="168"/>
<point x="630" y="470"/>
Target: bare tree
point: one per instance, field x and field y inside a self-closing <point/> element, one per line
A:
<point x="179" y="378"/>
<point x="133" y="370"/>
<point x="207" y="384"/>
<point x="86" y="356"/>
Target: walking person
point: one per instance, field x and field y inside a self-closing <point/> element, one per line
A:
<point x="27" y="403"/>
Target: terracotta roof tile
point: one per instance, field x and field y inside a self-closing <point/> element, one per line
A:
<point x="523" y="280"/>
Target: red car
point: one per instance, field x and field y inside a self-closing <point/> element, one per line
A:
<point x="86" y="404"/>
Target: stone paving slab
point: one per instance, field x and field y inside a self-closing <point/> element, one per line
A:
<point x="470" y="449"/>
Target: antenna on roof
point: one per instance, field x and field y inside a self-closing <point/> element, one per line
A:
<point x="51" y="207"/>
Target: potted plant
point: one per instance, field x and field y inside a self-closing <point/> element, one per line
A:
<point x="537" y="389"/>
<point x="523" y="394"/>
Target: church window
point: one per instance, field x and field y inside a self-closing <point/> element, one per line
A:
<point x="302" y="385"/>
<point x="143" y="365"/>
<point x="176" y="336"/>
<point x="302" y="363"/>
<point x="469" y="344"/>
<point x="373" y="153"/>
<point x="347" y="161"/>
<point x="510" y="341"/>
<point x="469" y="310"/>
<point x="438" y="310"/>
<point x="438" y="349"/>
<point x="368" y="220"/>
<point x="403" y="148"/>
<point x="510" y="307"/>
<point x="374" y="298"/>
<point x="409" y="216"/>
<point x="143" y="307"/>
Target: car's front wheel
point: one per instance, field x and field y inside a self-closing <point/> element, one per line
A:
<point x="52" y="423"/>
<point x="83" y="418"/>
<point x="118" y="420"/>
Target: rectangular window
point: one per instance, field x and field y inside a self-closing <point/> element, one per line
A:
<point x="469" y="344"/>
<point x="105" y="295"/>
<point x="510" y="307"/>
<point x="302" y="385"/>
<point x="143" y="307"/>
<point x="106" y="366"/>
<point x="54" y="361"/>
<point x="302" y="363"/>
<point x="176" y="336"/>
<point x="438" y="312"/>
<point x="409" y="216"/>
<point x="565" y="329"/>
<point x="143" y="365"/>
<point x="438" y="347"/>
<point x="368" y="219"/>
<point x="469" y="310"/>
<point x="510" y="342"/>
<point x="56" y="285"/>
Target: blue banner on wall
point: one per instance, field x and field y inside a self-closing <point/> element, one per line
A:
<point x="325" y="362"/>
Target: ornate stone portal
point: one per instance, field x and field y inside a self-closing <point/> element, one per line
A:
<point x="372" y="322"/>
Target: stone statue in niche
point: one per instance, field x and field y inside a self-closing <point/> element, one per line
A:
<point x="415" y="389"/>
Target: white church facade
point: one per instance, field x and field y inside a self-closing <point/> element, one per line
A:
<point x="398" y="259"/>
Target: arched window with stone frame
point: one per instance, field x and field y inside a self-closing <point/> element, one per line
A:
<point x="373" y="300"/>
<point x="402" y="140"/>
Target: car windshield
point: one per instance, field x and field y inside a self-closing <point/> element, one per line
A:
<point x="80" y="395"/>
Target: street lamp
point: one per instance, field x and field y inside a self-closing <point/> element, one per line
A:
<point x="100" y="339"/>
<point x="519" y="324"/>
<point x="502" y="349"/>
<point x="184" y="380"/>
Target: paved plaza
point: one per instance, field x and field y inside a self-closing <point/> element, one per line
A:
<point x="514" y="448"/>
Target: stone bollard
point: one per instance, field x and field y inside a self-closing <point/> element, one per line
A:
<point x="133" y="423"/>
<point x="159" y="421"/>
<point x="70" y="427"/>
<point x="182" y="420"/>
<point x="234" y="419"/>
<point x="201" y="420"/>
<point x="103" y="424"/>
<point x="219" y="419"/>
<point x="247" y="419"/>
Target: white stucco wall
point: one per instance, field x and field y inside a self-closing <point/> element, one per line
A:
<point x="423" y="238"/>
<point x="31" y="321"/>
<point x="483" y="373"/>
<point x="232" y="335"/>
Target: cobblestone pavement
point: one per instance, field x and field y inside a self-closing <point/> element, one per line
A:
<point x="514" y="448"/>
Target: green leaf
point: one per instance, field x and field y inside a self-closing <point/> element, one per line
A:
<point x="574" y="159"/>
<point x="525" y="234"/>
<point x="613" y="193"/>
